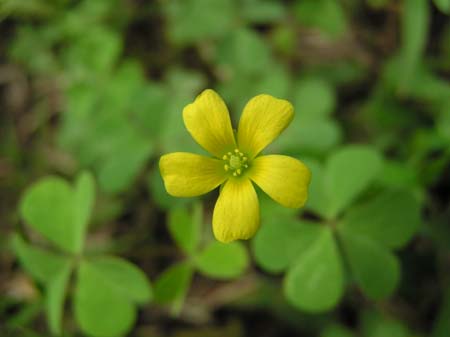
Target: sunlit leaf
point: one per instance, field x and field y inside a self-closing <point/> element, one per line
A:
<point x="348" y="172"/>
<point x="280" y="242"/>
<point x="222" y="261"/>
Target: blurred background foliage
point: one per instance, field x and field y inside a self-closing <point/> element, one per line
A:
<point x="92" y="94"/>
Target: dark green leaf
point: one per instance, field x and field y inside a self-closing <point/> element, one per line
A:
<point x="390" y="219"/>
<point x="376" y="270"/>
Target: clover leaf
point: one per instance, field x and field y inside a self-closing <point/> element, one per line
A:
<point x="107" y="288"/>
<point x="213" y="259"/>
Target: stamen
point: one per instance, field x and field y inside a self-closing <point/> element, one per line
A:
<point x="235" y="162"/>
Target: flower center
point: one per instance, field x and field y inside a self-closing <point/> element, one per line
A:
<point x="235" y="162"/>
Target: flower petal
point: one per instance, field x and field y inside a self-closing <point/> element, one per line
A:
<point x="283" y="178"/>
<point x="189" y="175"/>
<point x="208" y="121"/>
<point x="263" y="119"/>
<point x="236" y="214"/>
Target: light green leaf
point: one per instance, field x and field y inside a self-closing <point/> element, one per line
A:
<point x="317" y="199"/>
<point x="314" y="99"/>
<point x="313" y="136"/>
<point x="100" y="308"/>
<point x="243" y="52"/>
<point x="184" y="226"/>
<point x="122" y="276"/>
<point x="191" y="21"/>
<point x="327" y="15"/>
<point x="280" y="242"/>
<point x="95" y="52"/>
<point x="376" y="270"/>
<point x="315" y="283"/>
<point x="222" y="261"/>
<point x="41" y="264"/>
<point x="55" y="296"/>
<point x="84" y="190"/>
<point x="415" y="20"/>
<point x="173" y="284"/>
<point x="348" y="172"/>
<point x="443" y="5"/>
<point x="48" y="206"/>
<point x="122" y="166"/>
<point x="261" y="11"/>
<point x="390" y="219"/>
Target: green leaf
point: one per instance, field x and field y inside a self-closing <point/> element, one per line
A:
<point x="55" y="296"/>
<point x="327" y="15"/>
<point x="314" y="99"/>
<point x="376" y="270"/>
<point x="124" y="163"/>
<point x="48" y="206"/>
<point x="173" y="284"/>
<point x="84" y="190"/>
<point x="262" y="11"/>
<point x="101" y="308"/>
<point x="93" y="53"/>
<point x="315" y="283"/>
<point x="243" y="52"/>
<point x="349" y="171"/>
<point x="122" y="276"/>
<point x="222" y="261"/>
<point x="280" y="241"/>
<point x="415" y="22"/>
<point x="184" y="226"/>
<point x="316" y="136"/>
<point x="191" y="21"/>
<point x="391" y="219"/>
<point x="317" y="199"/>
<point x="41" y="264"/>
<point x="443" y="5"/>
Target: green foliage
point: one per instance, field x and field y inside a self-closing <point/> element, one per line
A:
<point x="101" y="85"/>
<point x="354" y="233"/>
<point x="107" y="288"/>
<point x="326" y="15"/>
<point x="222" y="261"/>
<point x="213" y="259"/>
<point x="307" y="284"/>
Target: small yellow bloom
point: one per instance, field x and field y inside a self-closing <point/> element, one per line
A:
<point x="236" y="162"/>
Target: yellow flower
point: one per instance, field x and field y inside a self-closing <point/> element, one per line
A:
<point x="236" y="163"/>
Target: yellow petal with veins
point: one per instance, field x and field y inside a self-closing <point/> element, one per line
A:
<point x="263" y="119"/>
<point x="208" y="121"/>
<point x="189" y="175"/>
<point x="236" y="214"/>
<point x="284" y="179"/>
